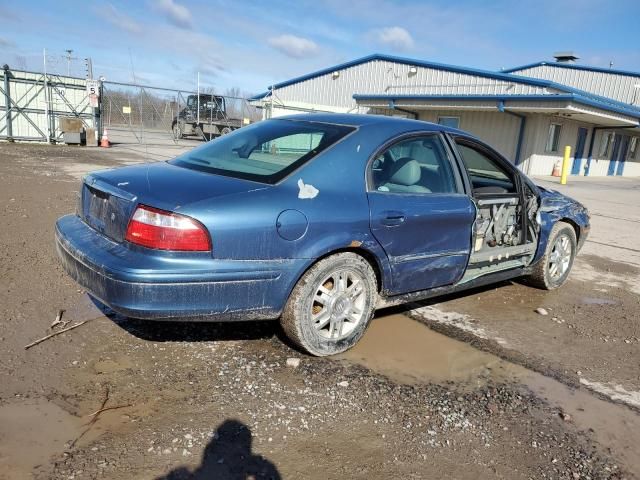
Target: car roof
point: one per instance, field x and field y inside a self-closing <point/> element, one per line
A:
<point x="359" y="120"/>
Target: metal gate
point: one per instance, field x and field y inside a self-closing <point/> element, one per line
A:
<point x="32" y="103"/>
<point x="139" y="114"/>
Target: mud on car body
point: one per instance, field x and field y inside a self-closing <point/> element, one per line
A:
<point x="316" y="220"/>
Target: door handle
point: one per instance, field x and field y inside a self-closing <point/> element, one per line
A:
<point x="393" y="219"/>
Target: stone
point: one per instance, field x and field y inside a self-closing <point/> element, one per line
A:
<point x="293" y="362"/>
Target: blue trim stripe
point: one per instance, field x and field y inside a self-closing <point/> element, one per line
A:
<point x="582" y="99"/>
<point x="574" y="67"/>
<point x="259" y="96"/>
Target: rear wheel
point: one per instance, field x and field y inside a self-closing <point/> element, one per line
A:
<point x="177" y="131"/>
<point x="225" y="130"/>
<point x="331" y="305"/>
<point x="553" y="268"/>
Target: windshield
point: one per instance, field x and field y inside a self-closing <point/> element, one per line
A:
<point x="265" y="151"/>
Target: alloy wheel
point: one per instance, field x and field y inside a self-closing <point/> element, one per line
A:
<point x="560" y="257"/>
<point x="338" y="304"/>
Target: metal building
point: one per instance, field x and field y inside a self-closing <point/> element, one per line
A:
<point x="529" y="118"/>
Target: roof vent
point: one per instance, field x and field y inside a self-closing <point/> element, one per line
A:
<point x="565" y="57"/>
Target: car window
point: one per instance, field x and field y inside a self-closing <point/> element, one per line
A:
<point x="286" y="149"/>
<point x="416" y="165"/>
<point x="264" y="152"/>
<point x="486" y="174"/>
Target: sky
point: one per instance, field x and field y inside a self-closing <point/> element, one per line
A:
<point x="252" y="44"/>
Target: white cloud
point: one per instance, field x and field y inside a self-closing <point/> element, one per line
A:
<point x="292" y="46"/>
<point x="178" y="15"/>
<point x="395" y="37"/>
<point x="122" y="21"/>
<point x="6" y="43"/>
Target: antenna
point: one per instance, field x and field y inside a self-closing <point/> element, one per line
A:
<point x="133" y="72"/>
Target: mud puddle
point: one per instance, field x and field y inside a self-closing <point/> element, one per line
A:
<point x="407" y="351"/>
<point x="31" y="432"/>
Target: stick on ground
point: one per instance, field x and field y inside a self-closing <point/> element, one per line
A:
<point x="58" y="319"/>
<point x="109" y="408"/>
<point x="40" y="340"/>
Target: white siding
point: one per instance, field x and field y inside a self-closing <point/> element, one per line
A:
<point x="540" y="162"/>
<point x="500" y="130"/>
<point x="616" y="86"/>
<point x="383" y="78"/>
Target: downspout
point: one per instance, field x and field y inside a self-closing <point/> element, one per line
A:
<point x="523" y="124"/>
<point x="7" y="103"/>
<point x="392" y="106"/>
<point x="593" y="138"/>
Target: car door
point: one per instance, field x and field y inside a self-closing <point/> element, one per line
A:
<point x="419" y="212"/>
<point x="503" y="237"/>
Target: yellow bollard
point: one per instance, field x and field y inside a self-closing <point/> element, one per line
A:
<point x="565" y="165"/>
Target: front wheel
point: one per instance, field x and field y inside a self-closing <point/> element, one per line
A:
<point x="331" y="305"/>
<point x="552" y="270"/>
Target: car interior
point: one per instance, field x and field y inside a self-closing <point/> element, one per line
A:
<point x="414" y="166"/>
<point x="505" y="230"/>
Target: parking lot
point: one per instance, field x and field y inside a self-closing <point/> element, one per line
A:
<point x="482" y="384"/>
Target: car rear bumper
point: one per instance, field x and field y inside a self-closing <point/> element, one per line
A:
<point x="143" y="283"/>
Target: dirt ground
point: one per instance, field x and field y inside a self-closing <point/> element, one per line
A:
<point x="477" y="385"/>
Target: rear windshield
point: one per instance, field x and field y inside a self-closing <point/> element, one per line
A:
<point x="264" y="152"/>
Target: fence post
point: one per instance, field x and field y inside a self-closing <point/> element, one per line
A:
<point x="7" y="103"/>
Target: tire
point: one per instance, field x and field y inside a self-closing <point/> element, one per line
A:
<point x="331" y="306"/>
<point x="177" y="131"/>
<point x="552" y="270"/>
<point x="225" y="130"/>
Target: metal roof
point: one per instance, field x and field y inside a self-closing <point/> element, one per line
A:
<point x="582" y="99"/>
<point x="414" y="62"/>
<point x="573" y="66"/>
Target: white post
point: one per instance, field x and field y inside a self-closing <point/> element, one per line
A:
<point x="198" y="104"/>
<point x="46" y="95"/>
<point x="273" y="92"/>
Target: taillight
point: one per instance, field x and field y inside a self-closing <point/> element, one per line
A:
<point x="154" y="228"/>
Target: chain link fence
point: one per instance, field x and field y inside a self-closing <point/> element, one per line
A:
<point x="143" y="115"/>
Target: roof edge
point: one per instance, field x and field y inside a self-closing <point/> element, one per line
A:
<point x="575" y="97"/>
<point x="574" y="66"/>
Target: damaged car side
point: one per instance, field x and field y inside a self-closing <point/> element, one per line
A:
<point x="317" y="220"/>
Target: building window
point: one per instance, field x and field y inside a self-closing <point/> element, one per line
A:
<point x="553" y="139"/>
<point x="633" y="147"/>
<point x="453" y="122"/>
<point x="605" y="144"/>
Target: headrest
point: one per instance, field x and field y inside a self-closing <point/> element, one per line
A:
<point x="405" y="171"/>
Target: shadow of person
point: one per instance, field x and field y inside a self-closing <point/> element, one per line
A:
<point x="228" y="456"/>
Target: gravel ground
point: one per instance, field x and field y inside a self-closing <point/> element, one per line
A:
<point x="235" y="401"/>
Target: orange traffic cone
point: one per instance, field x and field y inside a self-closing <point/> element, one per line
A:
<point x="556" y="169"/>
<point x="104" y="141"/>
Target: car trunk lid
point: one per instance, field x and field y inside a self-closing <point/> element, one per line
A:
<point x="108" y="198"/>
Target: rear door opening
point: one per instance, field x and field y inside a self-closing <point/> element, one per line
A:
<point x="505" y="231"/>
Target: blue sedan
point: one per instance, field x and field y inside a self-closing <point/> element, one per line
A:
<point x="317" y="220"/>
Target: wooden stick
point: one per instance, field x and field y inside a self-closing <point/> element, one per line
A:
<point x="58" y="319"/>
<point x="94" y="419"/>
<point x="76" y="325"/>
<point x="109" y="408"/>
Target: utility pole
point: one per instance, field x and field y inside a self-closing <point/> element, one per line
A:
<point x="69" y="52"/>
